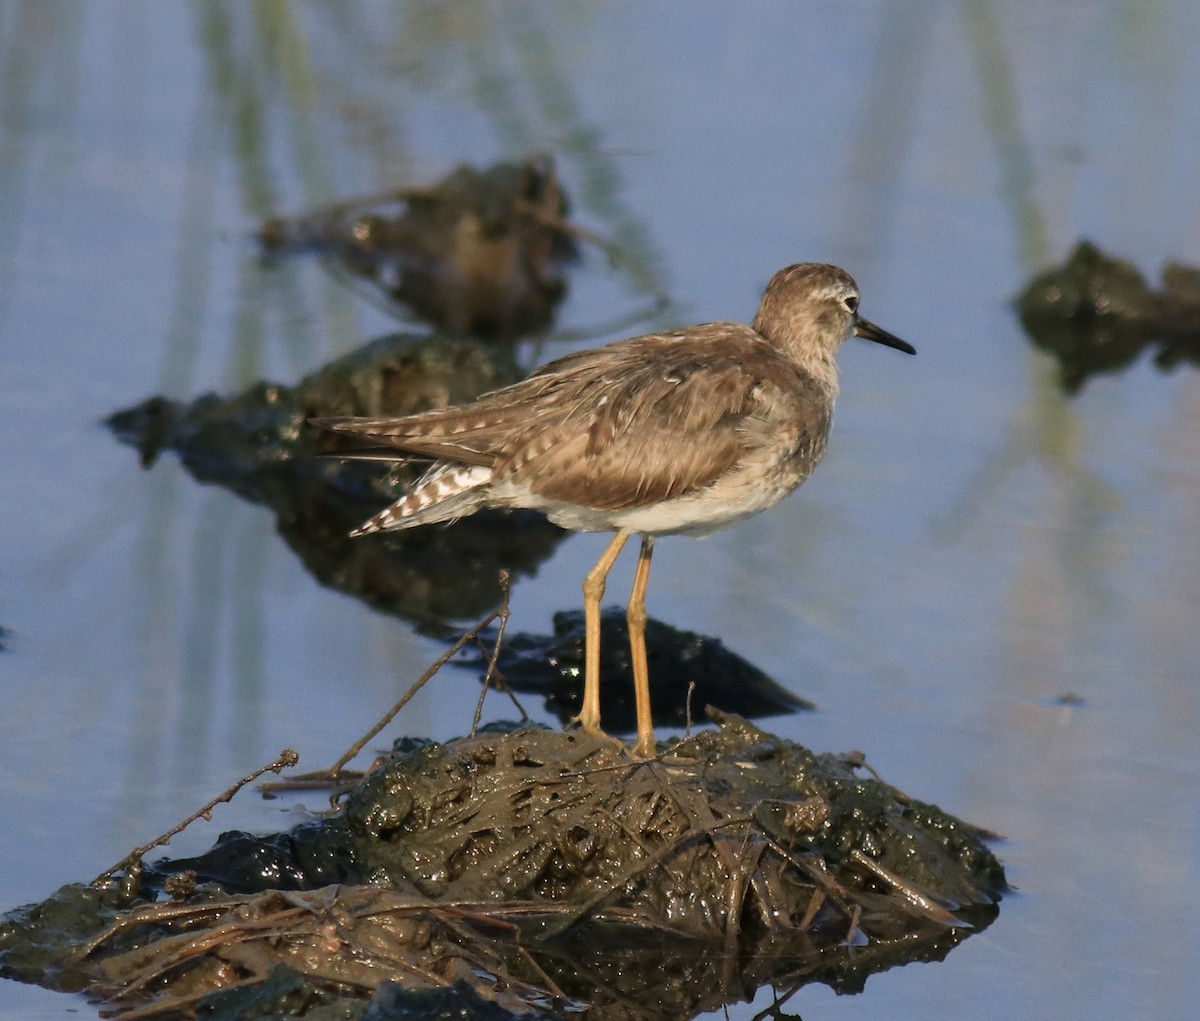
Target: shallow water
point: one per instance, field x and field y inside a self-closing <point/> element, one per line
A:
<point x="974" y="546"/>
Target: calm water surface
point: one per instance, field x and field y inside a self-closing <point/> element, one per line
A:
<point x="975" y="545"/>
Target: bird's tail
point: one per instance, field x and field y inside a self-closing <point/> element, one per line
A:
<point x="445" y="492"/>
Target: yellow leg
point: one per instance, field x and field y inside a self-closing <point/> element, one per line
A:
<point x="593" y="592"/>
<point x="636" y="615"/>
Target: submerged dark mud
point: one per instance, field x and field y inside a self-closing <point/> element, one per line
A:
<point x="1097" y="314"/>
<point x="535" y="871"/>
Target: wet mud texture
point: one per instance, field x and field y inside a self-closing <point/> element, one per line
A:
<point x="481" y="252"/>
<point x="536" y="873"/>
<point x="260" y="444"/>
<point x="1096" y="314"/>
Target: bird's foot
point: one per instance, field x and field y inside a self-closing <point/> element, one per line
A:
<point x="646" y="748"/>
<point x="593" y="730"/>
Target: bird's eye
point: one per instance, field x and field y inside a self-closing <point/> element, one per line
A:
<point x="851" y="302"/>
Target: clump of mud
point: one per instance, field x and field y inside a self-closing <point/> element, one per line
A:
<point x="536" y="872"/>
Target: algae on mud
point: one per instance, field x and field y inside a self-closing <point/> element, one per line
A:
<point x="535" y="868"/>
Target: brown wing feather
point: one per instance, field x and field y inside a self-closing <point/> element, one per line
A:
<point x="469" y="433"/>
<point x="650" y="423"/>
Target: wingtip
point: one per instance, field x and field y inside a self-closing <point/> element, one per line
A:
<point x="329" y="422"/>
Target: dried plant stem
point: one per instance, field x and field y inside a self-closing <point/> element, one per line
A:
<point x="286" y="759"/>
<point x="468" y="636"/>
<point x="502" y="613"/>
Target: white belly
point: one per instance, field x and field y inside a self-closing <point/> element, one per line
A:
<point x="735" y="497"/>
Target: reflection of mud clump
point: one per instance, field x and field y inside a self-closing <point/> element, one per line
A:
<point x="258" y="444"/>
<point x="481" y="252"/>
<point x="528" y="868"/>
<point x="1096" y="314"/>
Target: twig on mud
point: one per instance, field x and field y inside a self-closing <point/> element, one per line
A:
<point x="581" y="911"/>
<point x="852" y="932"/>
<point x="502" y="612"/>
<point x="286" y="759"/>
<point x="920" y="899"/>
<point x="470" y="635"/>
<point x="814" y="868"/>
<point x="357" y="918"/>
<point x="495" y="678"/>
<point x="701" y="817"/>
<point x="152" y="914"/>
